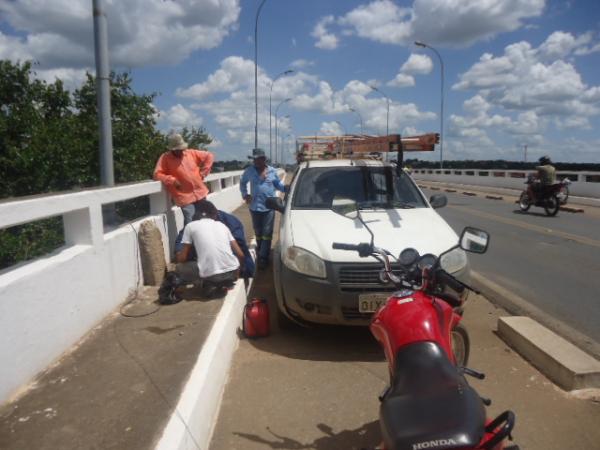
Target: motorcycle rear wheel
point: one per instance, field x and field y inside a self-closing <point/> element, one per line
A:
<point x="524" y="202"/>
<point x="461" y="345"/>
<point x="551" y="205"/>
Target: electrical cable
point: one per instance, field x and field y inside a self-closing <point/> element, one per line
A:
<point x="132" y="357"/>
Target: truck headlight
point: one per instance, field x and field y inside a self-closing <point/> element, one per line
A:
<point x="303" y="261"/>
<point x="454" y="261"/>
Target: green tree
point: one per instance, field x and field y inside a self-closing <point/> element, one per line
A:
<point x="49" y="142"/>
<point x="196" y="137"/>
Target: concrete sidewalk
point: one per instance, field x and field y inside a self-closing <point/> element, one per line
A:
<point x="119" y="387"/>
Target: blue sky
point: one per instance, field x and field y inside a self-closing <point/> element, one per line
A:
<point x="517" y="72"/>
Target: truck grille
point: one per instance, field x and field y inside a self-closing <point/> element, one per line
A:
<point x="354" y="314"/>
<point x="364" y="278"/>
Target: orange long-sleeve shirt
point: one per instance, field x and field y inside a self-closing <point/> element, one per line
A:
<point x="189" y="170"/>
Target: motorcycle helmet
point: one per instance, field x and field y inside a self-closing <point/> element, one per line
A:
<point x="545" y="160"/>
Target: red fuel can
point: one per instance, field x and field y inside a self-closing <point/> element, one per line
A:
<point x="256" y="318"/>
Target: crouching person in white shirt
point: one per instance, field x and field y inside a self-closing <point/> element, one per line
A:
<point x="219" y="255"/>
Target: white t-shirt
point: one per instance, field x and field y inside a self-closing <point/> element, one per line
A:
<point x="212" y="241"/>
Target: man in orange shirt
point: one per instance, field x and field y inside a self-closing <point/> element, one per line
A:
<point x="183" y="170"/>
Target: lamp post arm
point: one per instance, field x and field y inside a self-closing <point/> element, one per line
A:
<point x="256" y="74"/>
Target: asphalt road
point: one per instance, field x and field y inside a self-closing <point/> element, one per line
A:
<point x="317" y="388"/>
<point x="553" y="263"/>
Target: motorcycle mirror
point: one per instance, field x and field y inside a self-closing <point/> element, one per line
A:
<point x="438" y="201"/>
<point x="474" y="240"/>
<point x="345" y="207"/>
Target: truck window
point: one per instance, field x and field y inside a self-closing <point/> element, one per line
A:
<point x="367" y="185"/>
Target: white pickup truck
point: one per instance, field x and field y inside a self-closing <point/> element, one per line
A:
<point x="315" y="283"/>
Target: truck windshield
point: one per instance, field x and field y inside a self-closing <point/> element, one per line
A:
<point x="369" y="186"/>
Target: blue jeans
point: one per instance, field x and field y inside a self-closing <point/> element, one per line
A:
<point x="263" y="229"/>
<point x="189" y="211"/>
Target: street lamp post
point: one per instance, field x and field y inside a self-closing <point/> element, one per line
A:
<point x="387" y="119"/>
<point x="284" y="148"/>
<point x="287" y="72"/>
<point x="256" y="74"/>
<point x="276" y="110"/>
<point x="360" y="117"/>
<point x="422" y="44"/>
<point x="279" y="153"/>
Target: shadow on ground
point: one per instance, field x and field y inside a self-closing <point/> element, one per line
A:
<point x="322" y="344"/>
<point x="365" y="437"/>
<point x="533" y="213"/>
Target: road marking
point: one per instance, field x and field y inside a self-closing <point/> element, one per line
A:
<point x="529" y="226"/>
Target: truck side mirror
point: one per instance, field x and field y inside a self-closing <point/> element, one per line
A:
<point x="275" y="203"/>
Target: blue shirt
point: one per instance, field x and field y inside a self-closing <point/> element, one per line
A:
<point x="261" y="188"/>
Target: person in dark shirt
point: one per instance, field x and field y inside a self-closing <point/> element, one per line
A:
<point x="237" y="230"/>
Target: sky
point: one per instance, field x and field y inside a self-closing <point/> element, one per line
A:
<point x="518" y="74"/>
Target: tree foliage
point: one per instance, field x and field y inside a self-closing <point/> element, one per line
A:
<point x="49" y="141"/>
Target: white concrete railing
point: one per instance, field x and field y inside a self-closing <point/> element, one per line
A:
<point x="48" y="304"/>
<point x="584" y="184"/>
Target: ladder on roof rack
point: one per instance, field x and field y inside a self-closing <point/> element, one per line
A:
<point x="361" y="146"/>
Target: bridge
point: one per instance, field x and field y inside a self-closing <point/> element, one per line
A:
<point x="54" y="306"/>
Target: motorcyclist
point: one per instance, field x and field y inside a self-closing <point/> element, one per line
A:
<point x="545" y="176"/>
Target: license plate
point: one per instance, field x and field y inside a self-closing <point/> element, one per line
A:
<point x="369" y="303"/>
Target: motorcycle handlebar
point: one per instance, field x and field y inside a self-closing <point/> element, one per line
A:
<point x="450" y="281"/>
<point x="341" y="246"/>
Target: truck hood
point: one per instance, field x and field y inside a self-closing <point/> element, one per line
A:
<point x="395" y="229"/>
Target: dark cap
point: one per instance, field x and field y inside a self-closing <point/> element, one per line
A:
<point x="258" y="153"/>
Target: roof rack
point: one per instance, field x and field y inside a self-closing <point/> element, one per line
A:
<point x="361" y="146"/>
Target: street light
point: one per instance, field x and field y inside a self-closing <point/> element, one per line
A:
<point x="277" y="109"/>
<point x="360" y="117"/>
<point x="287" y="72"/>
<point x="256" y="74"/>
<point x="277" y="155"/>
<point x="422" y="44"/>
<point x="284" y="148"/>
<point x="387" y="119"/>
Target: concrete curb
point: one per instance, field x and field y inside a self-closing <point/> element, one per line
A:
<point x="518" y="306"/>
<point x="193" y="419"/>
<point x="558" y="359"/>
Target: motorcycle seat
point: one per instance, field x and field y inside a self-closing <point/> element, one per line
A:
<point x="430" y="401"/>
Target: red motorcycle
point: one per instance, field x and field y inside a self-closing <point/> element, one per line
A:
<point x="428" y="404"/>
<point x="548" y="197"/>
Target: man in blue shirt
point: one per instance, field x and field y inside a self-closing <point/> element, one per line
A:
<point x="263" y="181"/>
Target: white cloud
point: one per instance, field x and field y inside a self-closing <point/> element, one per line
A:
<point x="402" y="80"/>
<point x="522" y="79"/>
<point x="177" y="117"/>
<point x="234" y="73"/>
<point x="325" y="40"/>
<point x="59" y="34"/>
<point x="331" y="128"/>
<point x="439" y="22"/>
<point x="301" y="64"/>
<point x="417" y="64"/>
